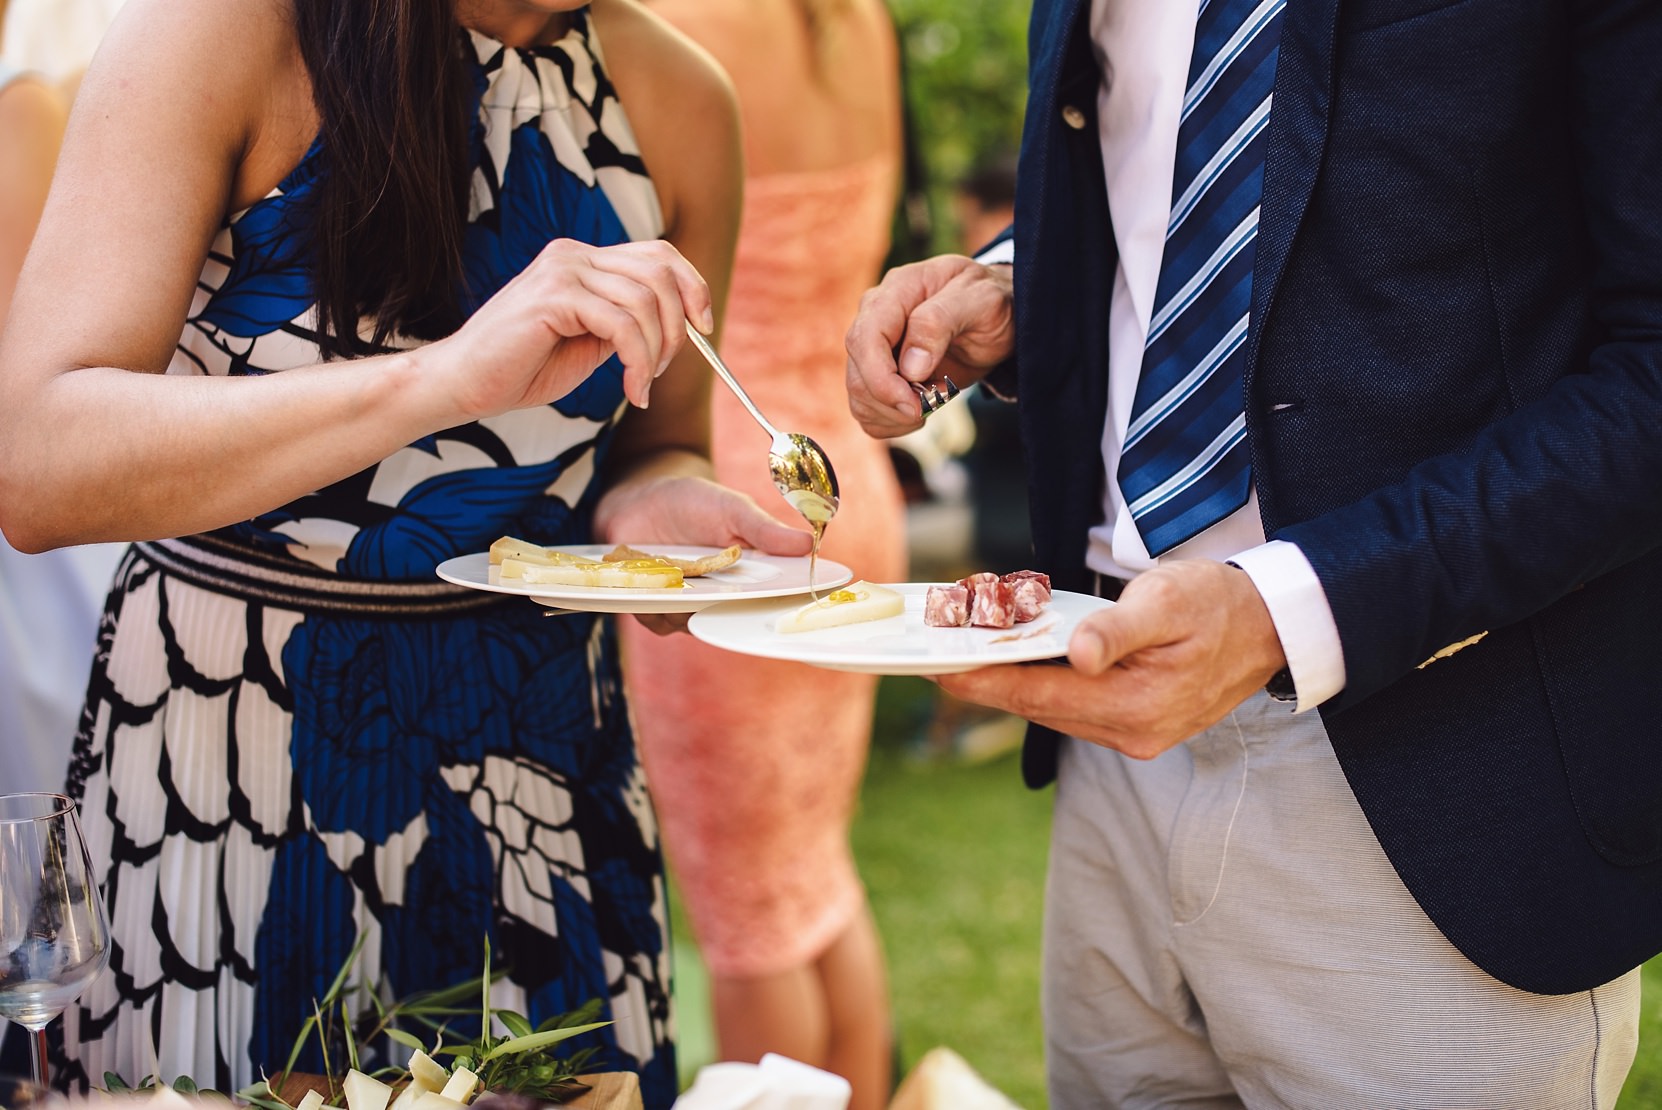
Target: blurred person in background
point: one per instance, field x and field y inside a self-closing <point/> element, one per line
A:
<point x="756" y="764"/>
<point x="55" y="38"/>
<point x="984" y="201"/>
<point x="32" y="117"/>
<point x="49" y="603"/>
<point x="376" y="284"/>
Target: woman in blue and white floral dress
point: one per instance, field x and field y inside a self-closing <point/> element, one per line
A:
<point x="294" y="732"/>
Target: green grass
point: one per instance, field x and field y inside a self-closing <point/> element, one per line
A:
<point x="953" y="856"/>
<point x="1644" y="1083"/>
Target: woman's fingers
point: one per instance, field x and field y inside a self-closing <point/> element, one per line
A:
<point x="632" y="321"/>
<point x="575" y="305"/>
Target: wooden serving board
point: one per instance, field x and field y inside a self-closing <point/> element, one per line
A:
<point x="610" y="1090"/>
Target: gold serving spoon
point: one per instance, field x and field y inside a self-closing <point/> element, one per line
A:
<point x="797" y="464"/>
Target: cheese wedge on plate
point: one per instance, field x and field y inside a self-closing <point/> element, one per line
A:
<point x="541" y="566"/>
<point x="513" y="555"/>
<point x="637" y="574"/>
<point x="854" y="603"/>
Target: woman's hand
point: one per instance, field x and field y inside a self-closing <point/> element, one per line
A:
<point x="574" y="306"/>
<point x="682" y="509"/>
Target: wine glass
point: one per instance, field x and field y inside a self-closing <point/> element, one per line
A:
<point x="54" y="936"/>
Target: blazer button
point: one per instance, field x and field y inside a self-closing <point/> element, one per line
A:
<point x="1073" y="117"/>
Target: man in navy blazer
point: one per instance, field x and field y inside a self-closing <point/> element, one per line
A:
<point x="1453" y="398"/>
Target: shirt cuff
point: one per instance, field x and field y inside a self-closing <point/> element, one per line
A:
<point x="999" y="252"/>
<point x="1302" y="617"/>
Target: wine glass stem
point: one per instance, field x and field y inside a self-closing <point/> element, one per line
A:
<point x="37" y="1053"/>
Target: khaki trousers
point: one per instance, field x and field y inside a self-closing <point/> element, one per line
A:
<point x="1222" y="929"/>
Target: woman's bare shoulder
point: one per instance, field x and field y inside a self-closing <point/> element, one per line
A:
<point x="681" y="106"/>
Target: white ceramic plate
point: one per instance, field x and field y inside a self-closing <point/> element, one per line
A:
<point x="753" y="576"/>
<point x="895" y="645"/>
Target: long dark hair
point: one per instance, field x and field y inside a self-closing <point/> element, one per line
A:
<point x="391" y="203"/>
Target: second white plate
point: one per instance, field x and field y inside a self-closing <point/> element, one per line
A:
<point x="901" y="645"/>
<point x="753" y="576"/>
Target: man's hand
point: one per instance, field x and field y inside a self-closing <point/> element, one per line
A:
<point x="1188" y="642"/>
<point x="948" y="315"/>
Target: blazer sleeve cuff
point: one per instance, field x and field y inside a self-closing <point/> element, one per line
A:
<point x="1303" y="619"/>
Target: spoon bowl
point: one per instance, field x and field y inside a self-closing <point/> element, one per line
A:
<point x="799" y="466"/>
<point x="803" y="474"/>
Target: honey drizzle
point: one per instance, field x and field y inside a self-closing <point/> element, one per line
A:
<point x="818" y="528"/>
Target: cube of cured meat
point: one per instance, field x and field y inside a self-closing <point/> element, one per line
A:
<point x="1017" y="577"/>
<point x="1029" y="595"/>
<point x="992" y="603"/>
<point x="946" y="606"/>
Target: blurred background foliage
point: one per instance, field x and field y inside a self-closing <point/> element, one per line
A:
<point x="966" y="86"/>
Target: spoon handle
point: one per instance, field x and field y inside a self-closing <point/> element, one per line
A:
<point x="726" y="375"/>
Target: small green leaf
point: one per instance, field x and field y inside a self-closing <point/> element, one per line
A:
<point x="351" y="1038"/>
<point x="514" y="1023"/>
<point x="114" y="1082"/>
<point x="406" y="1039"/>
<point x="333" y="992"/>
<point x="185" y="1085"/>
<point x="260" y="1094"/>
<point x="541" y="1040"/>
<point x="587" y="1012"/>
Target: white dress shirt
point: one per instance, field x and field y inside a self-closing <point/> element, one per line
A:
<point x="1143" y="47"/>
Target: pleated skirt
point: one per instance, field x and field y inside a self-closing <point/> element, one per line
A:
<point x="268" y="772"/>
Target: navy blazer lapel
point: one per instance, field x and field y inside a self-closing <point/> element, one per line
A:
<point x="1295" y="146"/>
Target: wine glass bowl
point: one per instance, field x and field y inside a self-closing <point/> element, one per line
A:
<point x="54" y="935"/>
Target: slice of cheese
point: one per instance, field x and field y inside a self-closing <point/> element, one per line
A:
<point x="638" y="574"/>
<point x="854" y="603"/>
<point x="513" y="555"/>
<point x="510" y="547"/>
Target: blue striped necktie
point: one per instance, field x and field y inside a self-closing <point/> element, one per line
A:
<point x="1185" y="463"/>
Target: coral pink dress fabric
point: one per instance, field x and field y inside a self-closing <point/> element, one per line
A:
<point x="755" y="764"/>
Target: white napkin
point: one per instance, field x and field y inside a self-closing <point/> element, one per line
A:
<point x="777" y="1083"/>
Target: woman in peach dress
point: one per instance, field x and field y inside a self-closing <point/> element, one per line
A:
<point x="755" y="765"/>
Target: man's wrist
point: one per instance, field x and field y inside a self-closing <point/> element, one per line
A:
<point x="1297" y="604"/>
<point x="1268" y="643"/>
